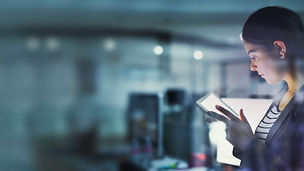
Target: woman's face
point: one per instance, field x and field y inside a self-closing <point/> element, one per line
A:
<point x="263" y="63"/>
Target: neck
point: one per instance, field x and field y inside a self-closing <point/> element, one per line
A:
<point x="294" y="81"/>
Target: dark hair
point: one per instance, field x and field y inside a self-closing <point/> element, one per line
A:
<point x="269" y="24"/>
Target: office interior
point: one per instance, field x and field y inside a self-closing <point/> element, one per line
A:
<point x="113" y="84"/>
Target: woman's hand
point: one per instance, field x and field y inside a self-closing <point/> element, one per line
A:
<point x="239" y="130"/>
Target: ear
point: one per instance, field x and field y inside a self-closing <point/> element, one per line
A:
<point x="282" y="48"/>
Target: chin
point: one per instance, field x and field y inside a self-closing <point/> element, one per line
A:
<point x="271" y="82"/>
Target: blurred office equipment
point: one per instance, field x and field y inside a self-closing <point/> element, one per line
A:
<point x="185" y="130"/>
<point x="182" y="129"/>
<point x="145" y="123"/>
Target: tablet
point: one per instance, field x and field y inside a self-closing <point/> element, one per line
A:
<point x="208" y="102"/>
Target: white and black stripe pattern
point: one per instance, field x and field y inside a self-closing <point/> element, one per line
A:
<point x="269" y="119"/>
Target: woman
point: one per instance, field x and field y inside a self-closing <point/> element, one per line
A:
<point x="273" y="39"/>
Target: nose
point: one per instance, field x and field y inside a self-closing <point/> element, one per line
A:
<point x="253" y="67"/>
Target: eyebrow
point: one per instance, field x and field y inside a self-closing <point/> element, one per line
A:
<point x="251" y="51"/>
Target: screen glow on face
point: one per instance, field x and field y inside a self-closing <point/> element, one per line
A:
<point x="210" y="102"/>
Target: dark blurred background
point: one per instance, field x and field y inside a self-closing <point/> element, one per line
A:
<point x="112" y="84"/>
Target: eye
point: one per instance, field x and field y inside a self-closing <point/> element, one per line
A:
<point x="253" y="57"/>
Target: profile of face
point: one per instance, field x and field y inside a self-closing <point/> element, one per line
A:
<point x="262" y="62"/>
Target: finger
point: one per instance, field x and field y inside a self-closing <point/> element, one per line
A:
<point x="218" y="116"/>
<point x="210" y="120"/>
<point x="242" y="116"/>
<point x="227" y="113"/>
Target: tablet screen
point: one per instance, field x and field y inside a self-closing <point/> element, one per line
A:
<point x="209" y="101"/>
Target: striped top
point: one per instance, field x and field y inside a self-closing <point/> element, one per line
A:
<point x="269" y="119"/>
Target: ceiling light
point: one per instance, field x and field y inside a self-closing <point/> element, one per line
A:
<point x="109" y="44"/>
<point x="52" y="43"/>
<point x="198" y="55"/>
<point x="158" y="50"/>
<point x="33" y="43"/>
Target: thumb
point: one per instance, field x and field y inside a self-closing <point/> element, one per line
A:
<point x="243" y="118"/>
